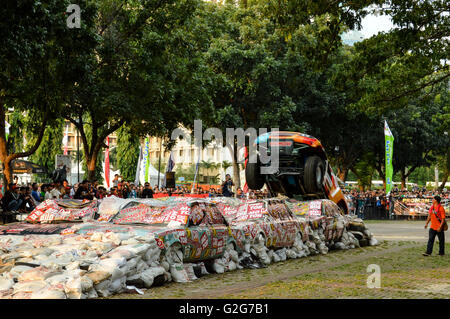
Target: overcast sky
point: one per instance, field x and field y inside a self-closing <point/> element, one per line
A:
<point x="371" y="25"/>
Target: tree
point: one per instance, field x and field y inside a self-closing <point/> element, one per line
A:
<point x="390" y="68"/>
<point x="37" y="62"/>
<point x="127" y="152"/>
<point x="139" y="72"/>
<point x="45" y="155"/>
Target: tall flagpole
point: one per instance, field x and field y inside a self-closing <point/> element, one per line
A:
<point x="138" y="168"/>
<point x="159" y="161"/>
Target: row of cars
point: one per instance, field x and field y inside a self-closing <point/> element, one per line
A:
<point x="71" y="249"/>
<point x="200" y="229"/>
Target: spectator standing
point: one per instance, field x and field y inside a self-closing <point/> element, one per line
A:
<point x="115" y="181"/>
<point x="437" y="217"/>
<point x="226" y="186"/>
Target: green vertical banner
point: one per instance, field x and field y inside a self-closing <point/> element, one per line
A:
<point x="7" y="126"/>
<point x="389" y="149"/>
<point x="147" y="157"/>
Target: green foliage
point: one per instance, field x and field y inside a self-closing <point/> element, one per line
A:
<point x="51" y="146"/>
<point x="127" y="152"/>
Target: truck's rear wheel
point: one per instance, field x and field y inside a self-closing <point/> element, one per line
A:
<point x="253" y="175"/>
<point x="314" y="174"/>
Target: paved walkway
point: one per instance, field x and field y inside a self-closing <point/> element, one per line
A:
<point x="401" y="230"/>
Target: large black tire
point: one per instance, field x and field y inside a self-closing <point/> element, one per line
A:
<point x="253" y="175"/>
<point x="314" y="174"/>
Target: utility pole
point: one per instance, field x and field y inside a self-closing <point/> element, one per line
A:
<point x="159" y="161"/>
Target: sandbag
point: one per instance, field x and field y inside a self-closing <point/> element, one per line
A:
<point x="179" y="273"/>
<point x="52" y="292"/>
<point x="6" y="284"/>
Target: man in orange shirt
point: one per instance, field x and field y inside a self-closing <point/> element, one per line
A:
<point x="437" y="217"/>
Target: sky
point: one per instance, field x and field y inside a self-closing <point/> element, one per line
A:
<point x="371" y="25"/>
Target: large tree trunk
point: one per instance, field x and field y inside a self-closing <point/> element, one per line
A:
<point x="236" y="168"/>
<point x="382" y="175"/>
<point x="446" y="172"/>
<point x="6" y="158"/>
<point x="403" y="177"/>
<point x="235" y="163"/>
<point x="91" y="163"/>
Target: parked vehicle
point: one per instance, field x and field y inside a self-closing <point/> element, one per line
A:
<point x="320" y="213"/>
<point x="303" y="168"/>
<point x="188" y="230"/>
<point x="269" y="221"/>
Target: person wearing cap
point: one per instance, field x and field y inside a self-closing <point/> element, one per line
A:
<point x="437" y="217"/>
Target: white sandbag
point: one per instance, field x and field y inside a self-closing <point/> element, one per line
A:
<point x="52" y="292"/>
<point x="150" y="274"/>
<point x="219" y="266"/>
<point x="91" y="294"/>
<point x="117" y="267"/>
<point x="117" y="285"/>
<point x="73" y="288"/>
<point x="152" y="254"/>
<point x="275" y="257"/>
<point x="130" y="241"/>
<point x="132" y="263"/>
<point x="98" y="276"/>
<point x="189" y="268"/>
<point x="73" y="265"/>
<point x="270" y="254"/>
<point x="373" y="241"/>
<point x="202" y="268"/>
<point x="58" y="279"/>
<point x="231" y="266"/>
<point x="17" y="270"/>
<point x="30" y="286"/>
<point x="38" y="273"/>
<point x="103" y="288"/>
<point x="340" y="246"/>
<point x="291" y="254"/>
<point x="323" y="249"/>
<point x="111" y="238"/>
<point x="166" y="265"/>
<point x="281" y="253"/>
<point x="179" y="273"/>
<point x="6" y="283"/>
<point x="142" y="265"/>
<point x="121" y="252"/>
<point x="86" y="284"/>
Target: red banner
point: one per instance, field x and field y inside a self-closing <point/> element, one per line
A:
<point x="107" y="162"/>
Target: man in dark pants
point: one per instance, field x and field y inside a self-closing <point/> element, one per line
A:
<point x="226" y="186"/>
<point x="437" y="217"/>
<point x="147" y="192"/>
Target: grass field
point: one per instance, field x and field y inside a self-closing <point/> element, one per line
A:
<point x="405" y="273"/>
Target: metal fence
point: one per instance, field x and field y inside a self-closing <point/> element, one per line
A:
<point x="398" y="208"/>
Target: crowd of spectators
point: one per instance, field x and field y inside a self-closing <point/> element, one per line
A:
<point x="23" y="199"/>
<point x="374" y="203"/>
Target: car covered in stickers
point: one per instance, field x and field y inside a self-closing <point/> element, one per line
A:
<point x="322" y="213"/>
<point x="190" y="230"/>
<point x="302" y="168"/>
<point x="269" y="221"/>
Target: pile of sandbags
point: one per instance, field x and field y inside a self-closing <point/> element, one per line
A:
<point x="78" y="266"/>
<point x="359" y="229"/>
